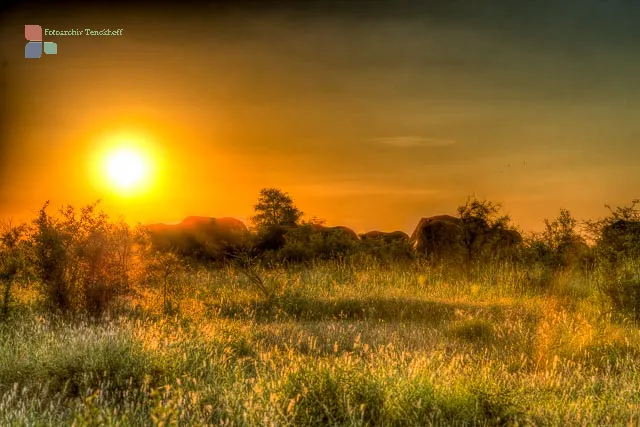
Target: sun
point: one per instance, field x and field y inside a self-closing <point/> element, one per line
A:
<point x="126" y="168"/>
<point x="126" y="165"/>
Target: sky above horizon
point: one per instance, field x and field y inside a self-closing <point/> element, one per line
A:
<point x="368" y="117"/>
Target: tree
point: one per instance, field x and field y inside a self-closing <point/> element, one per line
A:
<point x="482" y="223"/>
<point x="560" y="230"/>
<point x="275" y="208"/>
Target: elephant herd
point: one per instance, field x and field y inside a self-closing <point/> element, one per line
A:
<point x="442" y="236"/>
<point x="213" y="238"/>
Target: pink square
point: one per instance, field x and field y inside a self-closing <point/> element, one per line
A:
<point x="33" y="33"/>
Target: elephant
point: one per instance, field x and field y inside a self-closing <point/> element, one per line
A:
<point x="438" y="236"/>
<point x="503" y="240"/>
<point x="200" y="237"/>
<point x="449" y="237"/>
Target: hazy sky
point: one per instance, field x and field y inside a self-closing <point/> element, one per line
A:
<point x="371" y="117"/>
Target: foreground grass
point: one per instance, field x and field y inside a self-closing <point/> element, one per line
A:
<point x="341" y="345"/>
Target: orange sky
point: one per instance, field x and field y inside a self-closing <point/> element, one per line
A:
<point x="371" y="122"/>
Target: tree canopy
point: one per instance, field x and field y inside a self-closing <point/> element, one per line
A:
<point x="275" y="208"/>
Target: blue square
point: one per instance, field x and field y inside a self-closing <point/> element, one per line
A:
<point x="50" y="48"/>
<point x="33" y="50"/>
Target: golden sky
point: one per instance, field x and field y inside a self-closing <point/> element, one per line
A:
<point x="370" y="120"/>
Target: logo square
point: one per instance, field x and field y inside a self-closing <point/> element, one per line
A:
<point x="50" y="48"/>
<point x="33" y="50"/>
<point x="33" y="33"/>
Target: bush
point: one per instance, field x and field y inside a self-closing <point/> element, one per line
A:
<point x="621" y="285"/>
<point x="385" y="251"/>
<point x="306" y="243"/>
<point x="81" y="259"/>
<point x="617" y="235"/>
<point x="163" y="270"/>
<point x="13" y="262"/>
<point x="559" y="246"/>
<point x="302" y="244"/>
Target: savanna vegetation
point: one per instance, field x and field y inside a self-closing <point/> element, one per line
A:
<point x="292" y="322"/>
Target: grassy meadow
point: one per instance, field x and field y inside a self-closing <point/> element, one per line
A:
<point x="342" y="342"/>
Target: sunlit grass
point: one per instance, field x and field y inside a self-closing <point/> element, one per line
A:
<point x="343" y="343"/>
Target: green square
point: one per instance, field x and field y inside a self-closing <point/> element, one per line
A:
<point x="50" y="48"/>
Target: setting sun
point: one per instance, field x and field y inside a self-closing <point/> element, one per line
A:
<point x="126" y="168"/>
<point x="125" y="164"/>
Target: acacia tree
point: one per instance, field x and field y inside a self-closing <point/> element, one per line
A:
<point x="275" y="208"/>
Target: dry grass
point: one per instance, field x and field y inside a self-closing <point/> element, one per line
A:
<point x="342" y="344"/>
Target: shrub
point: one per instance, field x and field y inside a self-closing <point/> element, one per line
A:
<point x="385" y="251"/>
<point x="163" y="269"/>
<point x="559" y="246"/>
<point x="13" y="260"/>
<point x="617" y="235"/>
<point x="621" y="285"/>
<point x="302" y="244"/>
<point x="307" y="243"/>
<point x="81" y="259"/>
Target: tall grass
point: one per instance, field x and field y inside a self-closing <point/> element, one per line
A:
<point x="344" y="343"/>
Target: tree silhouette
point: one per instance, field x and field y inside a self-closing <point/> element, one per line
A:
<point x="274" y="208"/>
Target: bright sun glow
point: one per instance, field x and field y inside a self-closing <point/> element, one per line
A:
<point x="126" y="165"/>
<point x="126" y="168"/>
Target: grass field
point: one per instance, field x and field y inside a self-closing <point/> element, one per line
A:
<point x="341" y="344"/>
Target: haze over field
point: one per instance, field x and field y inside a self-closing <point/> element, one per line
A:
<point x="369" y="117"/>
